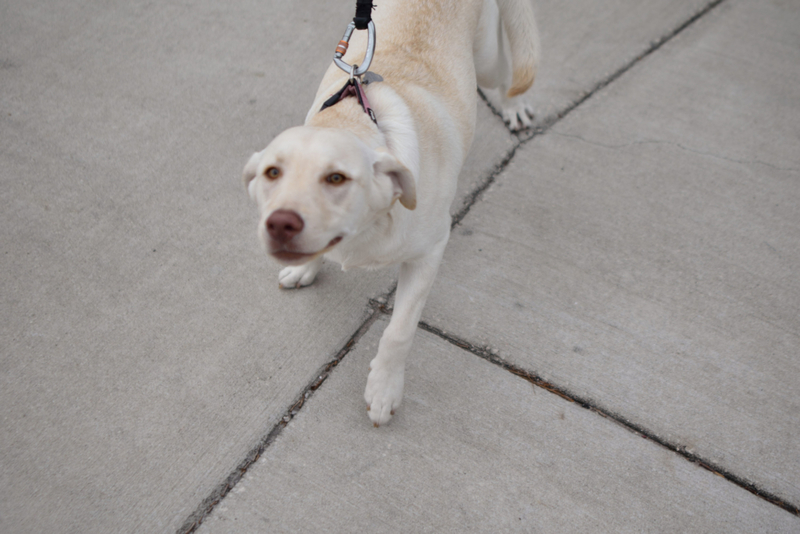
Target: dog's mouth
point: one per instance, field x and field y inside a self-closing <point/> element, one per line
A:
<point x="284" y="254"/>
<point x="291" y="258"/>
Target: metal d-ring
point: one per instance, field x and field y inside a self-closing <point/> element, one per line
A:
<point x="355" y="70"/>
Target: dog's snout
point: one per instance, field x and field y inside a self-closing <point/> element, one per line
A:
<point x="283" y="225"/>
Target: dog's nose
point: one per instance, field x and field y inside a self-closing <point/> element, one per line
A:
<point x="283" y="225"/>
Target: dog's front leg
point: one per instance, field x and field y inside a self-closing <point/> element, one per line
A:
<point x="298" y="276"/>
<point x="385" y="381"/>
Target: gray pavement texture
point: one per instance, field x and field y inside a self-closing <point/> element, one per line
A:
<point x="611" y="344"/>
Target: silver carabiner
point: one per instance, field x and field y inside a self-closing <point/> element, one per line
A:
<point x="341" y="49"/>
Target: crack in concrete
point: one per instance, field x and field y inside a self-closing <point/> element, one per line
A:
<point x="656" y="44"/>
<point x="680" y="146"/>
<point x="732" y="160"/>
<point x="476" y="193"/>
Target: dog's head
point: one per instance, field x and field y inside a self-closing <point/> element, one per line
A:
<point x="317" y="187"/>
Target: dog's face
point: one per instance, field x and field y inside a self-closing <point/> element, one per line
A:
<point x="317" y="187"/>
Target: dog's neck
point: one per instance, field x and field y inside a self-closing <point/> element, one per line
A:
<point x="395" y="129"/>
<point x="347" y="114"/>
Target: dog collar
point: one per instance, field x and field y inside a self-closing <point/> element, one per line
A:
<point x="353" y="87"/>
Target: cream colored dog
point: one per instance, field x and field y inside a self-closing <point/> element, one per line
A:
<point x="332" y="187"/>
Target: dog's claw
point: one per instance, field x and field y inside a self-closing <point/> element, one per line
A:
<point x="376" y="425"/>
<point x="517" y="113"/>
<point x="368" y="407"/>
<point x="391" y="413"/>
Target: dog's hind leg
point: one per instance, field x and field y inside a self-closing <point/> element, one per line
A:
<point x="506" y="52"/>
<point x="384" y="390"/>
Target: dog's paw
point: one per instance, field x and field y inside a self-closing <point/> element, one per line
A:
<point x="298" y="276"/>
<point x="517" y="113"/>
<point x="384" y="391"/>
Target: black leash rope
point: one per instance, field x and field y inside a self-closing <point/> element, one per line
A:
<point x="363" y="14"/>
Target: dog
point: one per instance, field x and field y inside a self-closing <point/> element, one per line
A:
<point x="373" y="193"/>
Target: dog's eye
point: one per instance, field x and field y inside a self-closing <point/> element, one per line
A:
<point x="272" y="173"/>
<point x="336" y="179"/>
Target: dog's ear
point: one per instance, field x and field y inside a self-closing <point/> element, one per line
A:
<point x="250" y="169"/>
<point x="403" y="183"/>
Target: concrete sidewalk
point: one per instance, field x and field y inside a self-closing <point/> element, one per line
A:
<point x="611" y="345"/>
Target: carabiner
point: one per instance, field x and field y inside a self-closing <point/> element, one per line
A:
<point x="341" y="49"/>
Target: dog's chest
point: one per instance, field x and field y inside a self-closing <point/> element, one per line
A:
<point x="361" y="259"/>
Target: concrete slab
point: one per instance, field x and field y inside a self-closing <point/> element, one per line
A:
<point x="474" y="449"/>
<point x="583" y="43"/>
<point x="140" y="359"/>
<point x="643" y="254"/>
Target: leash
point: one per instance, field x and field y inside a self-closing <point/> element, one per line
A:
<point x="354" y="86"/>
<point x="363" y="14"/>
<point x="362" y="21"/>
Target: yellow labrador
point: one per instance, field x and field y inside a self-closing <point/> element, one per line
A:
<point x="371" y="193"/>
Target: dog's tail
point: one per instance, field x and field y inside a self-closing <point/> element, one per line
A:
<point x="523" y="39"/>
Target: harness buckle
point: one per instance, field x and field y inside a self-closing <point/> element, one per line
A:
<point x="341" y="49"/>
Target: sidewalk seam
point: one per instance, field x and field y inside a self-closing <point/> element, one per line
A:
<point x="492" y="357"/>
<point x="655" y="45"/>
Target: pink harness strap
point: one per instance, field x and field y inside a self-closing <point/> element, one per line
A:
<point x="354" y="88"/>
